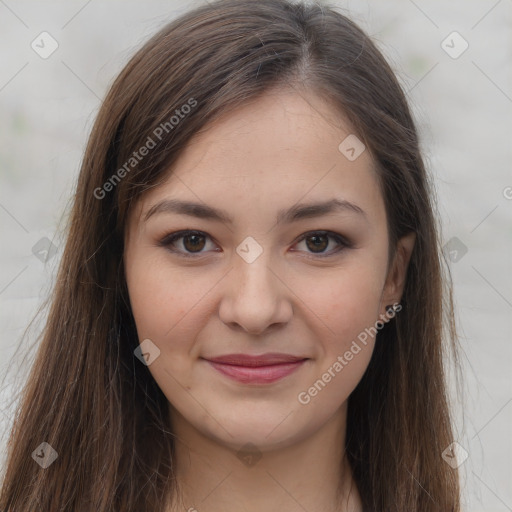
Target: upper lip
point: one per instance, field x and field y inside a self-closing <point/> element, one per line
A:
<point x="261" y="360"/>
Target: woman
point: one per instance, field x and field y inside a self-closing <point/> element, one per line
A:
<point x="249" y="307"/>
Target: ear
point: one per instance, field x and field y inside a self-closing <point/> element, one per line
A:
<point x="395" y="280"/>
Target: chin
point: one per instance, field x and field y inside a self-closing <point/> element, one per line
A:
<point x="266" y="432"/>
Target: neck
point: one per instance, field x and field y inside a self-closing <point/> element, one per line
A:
<point x="311" y="474"/>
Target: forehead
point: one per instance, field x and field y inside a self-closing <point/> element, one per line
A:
<point x="277" y="150"/>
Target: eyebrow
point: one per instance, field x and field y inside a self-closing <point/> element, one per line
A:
<point x="293" y="214"/>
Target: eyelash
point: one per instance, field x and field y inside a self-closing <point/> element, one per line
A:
<point x="170" y="238"/>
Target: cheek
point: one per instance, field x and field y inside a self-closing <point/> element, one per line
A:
<point x="161" y="295"/>
<point x="163" y="302"/>
<point x="345" y="308"/>
<point x="345" y="301"/>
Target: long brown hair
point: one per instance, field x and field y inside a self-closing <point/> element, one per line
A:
<point x="92" y="400"/>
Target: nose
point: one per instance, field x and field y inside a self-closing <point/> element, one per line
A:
<point x="255" y="297"/>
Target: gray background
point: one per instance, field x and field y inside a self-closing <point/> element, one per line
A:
<point x="463" y="107"/>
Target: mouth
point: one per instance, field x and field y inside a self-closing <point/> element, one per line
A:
<point x="264" y="369"/>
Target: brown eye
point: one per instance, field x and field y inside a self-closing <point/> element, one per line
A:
<point x="192" y="243"/>
<point x="318" y="242"/>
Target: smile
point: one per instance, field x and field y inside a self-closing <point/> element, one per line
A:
<point x="264" y="369"/>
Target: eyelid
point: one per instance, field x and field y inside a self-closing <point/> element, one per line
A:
<point x="168" y="239"/>
<point x="342" y="241"/>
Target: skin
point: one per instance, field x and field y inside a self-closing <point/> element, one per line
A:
<point x="272" y="153"/>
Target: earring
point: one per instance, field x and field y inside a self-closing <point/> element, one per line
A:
<point x="393" y="308"/>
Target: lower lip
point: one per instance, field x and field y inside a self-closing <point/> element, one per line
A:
<point x="257" y="374"/>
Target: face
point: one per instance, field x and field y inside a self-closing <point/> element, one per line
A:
<point x="251" y="270"/>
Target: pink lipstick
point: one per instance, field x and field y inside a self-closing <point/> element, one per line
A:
<point x="263" y="369"/>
